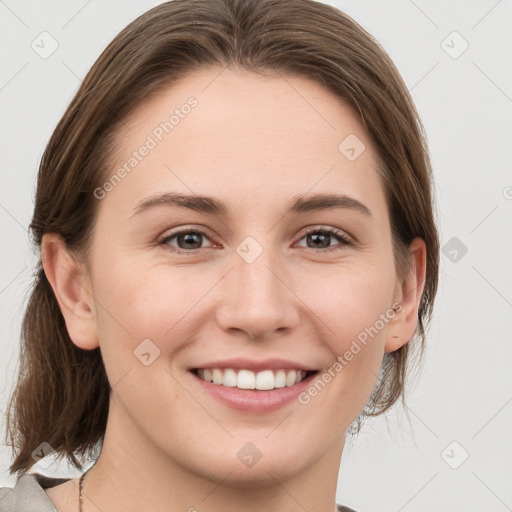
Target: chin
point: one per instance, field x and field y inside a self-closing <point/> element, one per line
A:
<point x="238" y="470"/>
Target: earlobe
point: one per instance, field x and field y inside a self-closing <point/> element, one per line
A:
<point x="409" y="297"/>
<point x="69" y="281"/>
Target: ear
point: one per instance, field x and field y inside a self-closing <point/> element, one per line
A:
<point x="408" y="295"/>
<point x="70" y="282"/>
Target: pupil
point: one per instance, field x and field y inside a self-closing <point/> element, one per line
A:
<point x="322" y="238"/>
<point x="189" y="238"/>
<point x="325" y="238"/>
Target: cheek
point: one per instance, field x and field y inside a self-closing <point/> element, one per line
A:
<point x="355" y="313"/>
<point x="140" y="295"/>
<point x="140" y="300"/>
<point x="349" y="299"/>
<point x="354" y="305"/>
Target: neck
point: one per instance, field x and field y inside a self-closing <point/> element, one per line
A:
<point x="132" y="473"/>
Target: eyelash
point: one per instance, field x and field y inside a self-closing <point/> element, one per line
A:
<point x="342" y="237"/>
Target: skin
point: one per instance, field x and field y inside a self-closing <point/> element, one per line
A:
<point x="253" y="142"/>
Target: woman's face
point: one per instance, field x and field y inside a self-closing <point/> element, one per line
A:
<point x="234" y="280"/>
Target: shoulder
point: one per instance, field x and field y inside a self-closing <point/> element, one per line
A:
<point x="28" y="494"/>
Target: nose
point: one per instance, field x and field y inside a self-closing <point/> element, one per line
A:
<point x="257" y="298"/>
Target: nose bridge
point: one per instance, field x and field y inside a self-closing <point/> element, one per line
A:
<point x="256" y="299"/>
<point x="253" y="272"/>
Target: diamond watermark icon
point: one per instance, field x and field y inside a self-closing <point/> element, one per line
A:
<point x="41" y="453"/>
<point x="146" y="352"/>
<point x="249" y="455"/>
<point x="44" y="45"/>
<point x="249" y="249"/>
<point x="351" y="147"/>
<point x="454" y="250"/>
<point x="455" y="455"/>
<point x="454" y="45"/>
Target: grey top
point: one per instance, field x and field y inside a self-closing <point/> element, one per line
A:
<point x="28" y="494"/>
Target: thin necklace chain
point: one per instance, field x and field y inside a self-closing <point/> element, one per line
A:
<point x="80" y="488"/>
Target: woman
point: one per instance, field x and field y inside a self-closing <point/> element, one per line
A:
<point x="238" y="254"/>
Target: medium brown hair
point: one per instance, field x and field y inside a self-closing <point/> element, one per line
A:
<point x="62" y="392"/>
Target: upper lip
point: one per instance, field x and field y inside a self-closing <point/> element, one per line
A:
<point x="255" y="366"/>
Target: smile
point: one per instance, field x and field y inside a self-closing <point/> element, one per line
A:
<point x="247" y="379"/>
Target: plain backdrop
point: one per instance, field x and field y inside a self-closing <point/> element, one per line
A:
<point x="450" y="447"/>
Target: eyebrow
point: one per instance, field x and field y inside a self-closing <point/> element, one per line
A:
<point x="210" y="205"/>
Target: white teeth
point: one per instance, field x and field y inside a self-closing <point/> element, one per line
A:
<point x="230" y="378"/>
<point x="247" y="379"/>
<point x="218" y="376"/>
<point x="280" y="379"/>
<point x="265" y="380"/>
<point x="290" y="377"/>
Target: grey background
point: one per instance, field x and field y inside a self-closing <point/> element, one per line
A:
<point x="404" y="461"/>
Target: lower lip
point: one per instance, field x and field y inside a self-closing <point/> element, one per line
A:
<point x="254" y="400"/>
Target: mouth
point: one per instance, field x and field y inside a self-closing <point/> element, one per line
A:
<point x="244" y="379"/>
<point x="251" y="385"/>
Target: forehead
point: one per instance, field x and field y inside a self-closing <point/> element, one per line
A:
<point x="239" y="134"/>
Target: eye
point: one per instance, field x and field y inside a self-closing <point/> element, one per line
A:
<point x="322" y="236"/>
<point x="187" y="240"/>
<point x="190" y="240"/>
